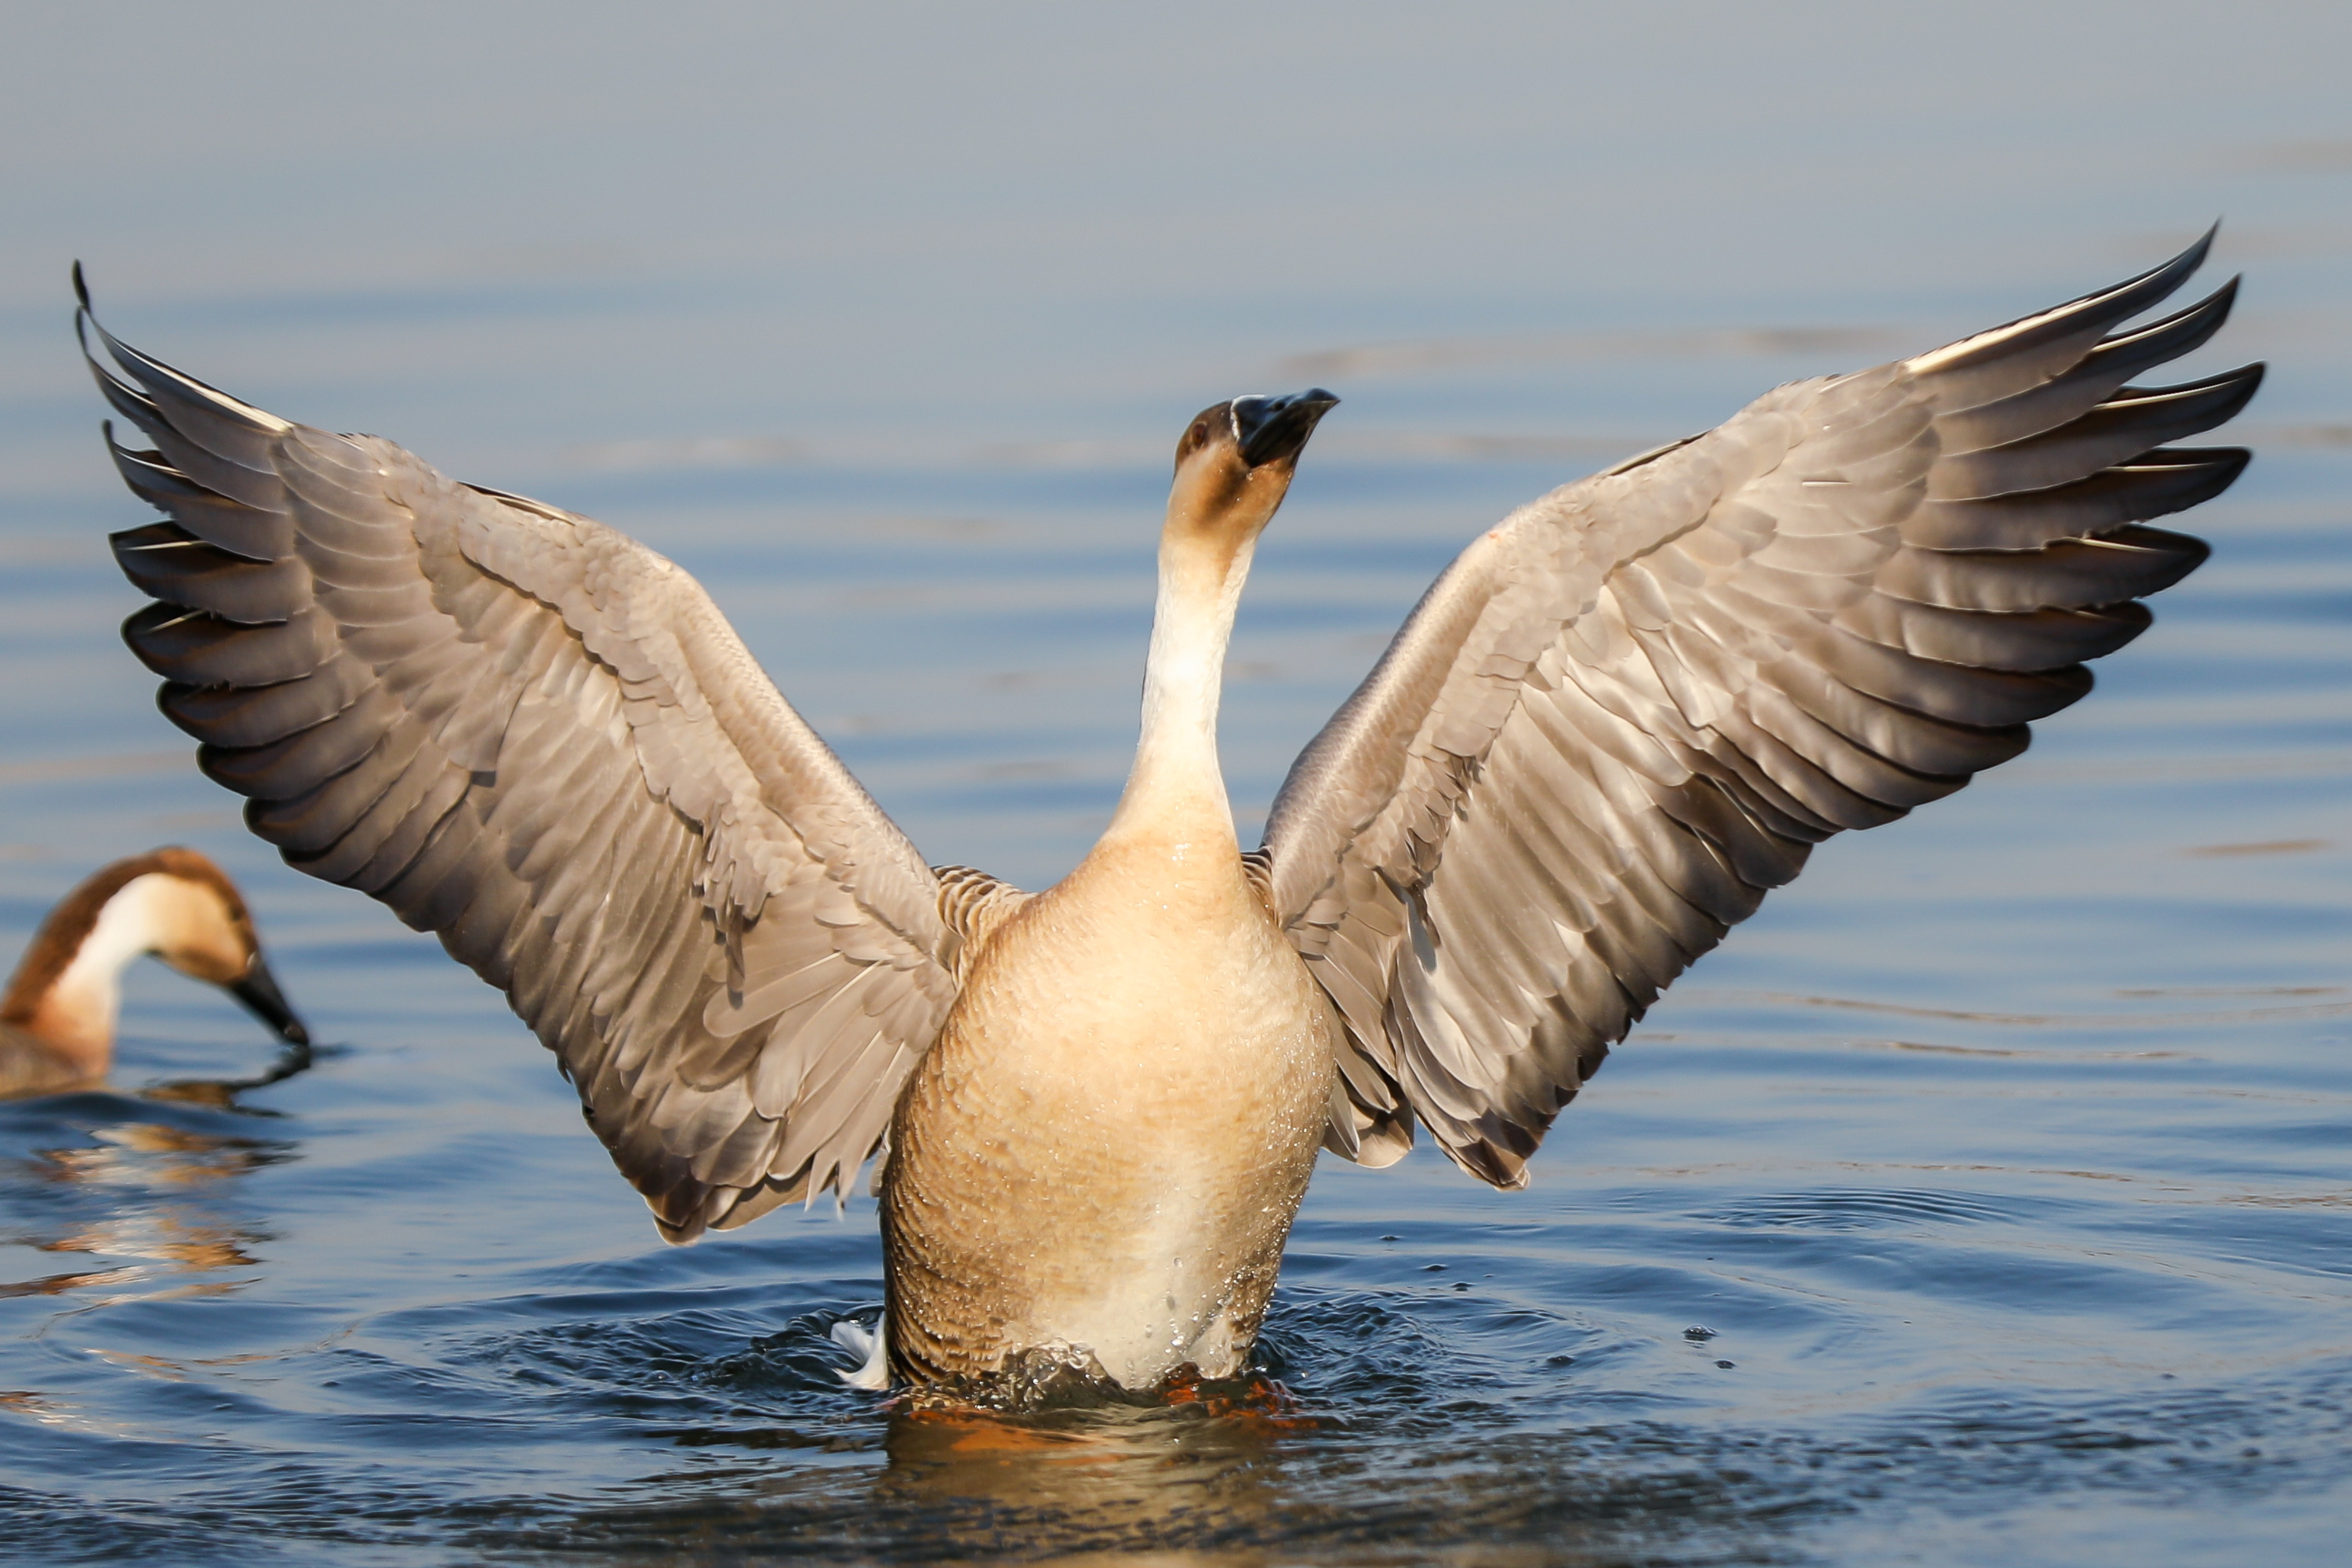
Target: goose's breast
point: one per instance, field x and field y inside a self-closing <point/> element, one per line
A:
<point x="1108" y="1144"/>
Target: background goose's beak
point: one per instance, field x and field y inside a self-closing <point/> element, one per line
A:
<point x="1274" y="429"/>
<point x="259" y="991"/>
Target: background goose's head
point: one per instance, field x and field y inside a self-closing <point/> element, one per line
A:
<point x="1234" y="463"/>
<point x="171" y="902"/>
<point x="201" y="927"/>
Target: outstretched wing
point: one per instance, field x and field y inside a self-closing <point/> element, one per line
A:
<point x="532" y="735"/>
<point x="1623" y="715"/>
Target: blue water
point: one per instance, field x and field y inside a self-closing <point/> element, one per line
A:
<point x="1987" y="1198"/>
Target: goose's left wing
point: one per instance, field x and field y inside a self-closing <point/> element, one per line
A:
<point x="1626" y="712"/>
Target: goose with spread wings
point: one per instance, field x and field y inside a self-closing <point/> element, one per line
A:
<point x="1621" y="717"/>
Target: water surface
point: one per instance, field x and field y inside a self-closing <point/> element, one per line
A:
<point x="1986" y="1198"/>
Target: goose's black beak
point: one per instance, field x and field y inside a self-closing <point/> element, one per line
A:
<point x="1274" y="429"/>
<point x="259" y="991"/>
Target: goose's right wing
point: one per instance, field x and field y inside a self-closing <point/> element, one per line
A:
<point x="529" y="734"/>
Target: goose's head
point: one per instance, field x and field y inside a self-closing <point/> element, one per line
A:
<point x="201" y="927"/>
<point x="1234" y="465"/>
<point x="174" y="903"/>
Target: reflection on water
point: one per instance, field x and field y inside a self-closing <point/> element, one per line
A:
<point x="146" y="1156"/>
<point x="134" y="1197"/>
<point x="1130" y="1479"/>
<point x="297" y="1057"/>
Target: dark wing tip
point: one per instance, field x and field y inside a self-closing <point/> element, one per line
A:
<point x="2251" y="383"/>
<point x="81" y="284"/>
<point x="1975" y="355"/>
<point x="2163" y="278"/>
<point x="2188" y="260"/>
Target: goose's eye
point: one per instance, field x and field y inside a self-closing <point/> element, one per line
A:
<point x="1194" y="439"/>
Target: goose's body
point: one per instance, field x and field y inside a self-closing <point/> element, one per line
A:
<point x="1148" y="1011"/>
<point x="57" y="1017"/>
<point x="1617" y="720"/>
<point x="31" y="1065"/>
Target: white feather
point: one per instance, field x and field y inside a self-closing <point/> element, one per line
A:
<point x="867" y="1345"/>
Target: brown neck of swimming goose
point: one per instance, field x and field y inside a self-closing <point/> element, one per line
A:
<point x="68" y="988"/>
<point x="1216" y="510"/>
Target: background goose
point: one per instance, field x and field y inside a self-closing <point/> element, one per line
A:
<point x="56" y="1019"/>
<point x="1613" y="724"/>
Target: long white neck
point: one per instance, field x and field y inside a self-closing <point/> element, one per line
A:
<point x="76" y="1014"/>
<point x="1176" y="784"/>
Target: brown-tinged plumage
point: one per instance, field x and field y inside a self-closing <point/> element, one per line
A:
<point x="1148" y="1010"/>
<point x="1619" y="718"/>
<point x="57" y="1017"/>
